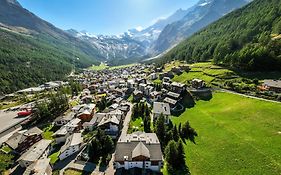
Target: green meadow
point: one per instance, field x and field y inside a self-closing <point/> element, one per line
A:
<point x="237" y="135"/>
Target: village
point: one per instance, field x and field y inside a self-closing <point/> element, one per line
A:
<point x="108" y="124"/>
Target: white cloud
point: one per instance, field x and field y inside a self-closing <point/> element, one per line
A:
<point x="139" y="28"/>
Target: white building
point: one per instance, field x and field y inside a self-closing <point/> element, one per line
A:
<point x="60" y="121"/>
<point x="160" y="108"/>
<point x="37" y="151"/>
<point x="139" y="150"/>
<point x="61" y="135"/>
<point x="73" y="125"/>
<point x="72" y="145"/>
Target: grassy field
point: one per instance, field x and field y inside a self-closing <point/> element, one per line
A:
<point x="100" y="67"/>
<point x="122" y="66"/>
<point x="54" y="157"/>
<point x="136" y="125"/>
<point x="103" y="66"/>
<point x="74" y="172"/>
<point x="47" y="132"/>
<point x="237" y="135"/>
<point x="205" y="71"/>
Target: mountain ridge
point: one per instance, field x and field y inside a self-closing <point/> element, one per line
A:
<point x="246" y="39"/>
<point x="199" y="16"/>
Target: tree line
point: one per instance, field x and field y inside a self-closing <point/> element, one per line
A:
<point x="171" y="138"/>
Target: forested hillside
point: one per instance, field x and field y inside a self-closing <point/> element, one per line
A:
<point x="26" y="60"/>
<point x="248" y="38"/>
<point x="33" y="51"/>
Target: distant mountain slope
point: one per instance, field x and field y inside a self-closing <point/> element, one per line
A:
<point x="33" y="51"/>
<point x="248" y="38"/>
<point x="198" y="16"/>
<point x="112" y="47"/>
<point x="131" y="45"/>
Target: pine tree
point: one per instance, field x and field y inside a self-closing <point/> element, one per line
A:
<point x="175" y="133"/>
<point x="171" y="153"/>
<point x="160" y="128"/>
<point x="181" y="154"/>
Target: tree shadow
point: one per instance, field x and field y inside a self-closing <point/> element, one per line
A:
<point x="205" y="95"/>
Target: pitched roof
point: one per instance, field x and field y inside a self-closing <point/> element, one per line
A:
<point x="20" y="136"/>
<point x="38" y="168"/>
<point x="74" y="139"/>
<point x="177" y="84"/>
<point x="109" y="119"/>
<point x="61" y="132"/>
<point x="161" y="108"/>
<point x="35" y="151"/>
<point x="273" y="83"/>
<point x="140" y="150"/>
<point x="138" y="144"/>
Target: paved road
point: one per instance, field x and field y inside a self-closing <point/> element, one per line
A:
<point x="248" y="96"/>
<point x="126" y="122"/>
<point x="110" y="169"/>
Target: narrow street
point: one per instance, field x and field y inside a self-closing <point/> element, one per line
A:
<point x="110" y="169"/>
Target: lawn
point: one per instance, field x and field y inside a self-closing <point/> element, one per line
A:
<point x="74" y="172"/>
<point x="237" y="135"/>
<point x="102" y="66"/>
<point x="136" y="125"/>
<point x="54" y="157"/>
<point x="184" y="77"/>
<point x="47" y="132"/>
<point x="6" y="149"/>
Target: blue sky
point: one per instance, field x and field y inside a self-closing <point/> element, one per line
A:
<point x="104" y="16"/>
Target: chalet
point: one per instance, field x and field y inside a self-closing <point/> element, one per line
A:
<point x="61" y="135"/>
<point x="155" y="96"/>
<point x="160" y="108"/>
<point x="171" y="102"/>
<point x="110" y="122"/>
<point x="186" y="68"/>
<point x="22" y="140"/>
<point x="87" y="99"/>
<point x="72" y="145"/>
<point x="85" y="115"/>
<point x="137" y="95"/>
<point x="272" y="85"/>
<point x="39" y="167"/>
<point x="148" y="90"/>
<point x="38" y="151"/>
<point x="197" y="83"/>
<point x="73" y="125"/>
<point x="173" y="95"/>
<point x="142" y="87"/>
<point x="60" y="121"/>
<point x="166" y="85"/>
<point x="131" y="83"/>
<point x="178" y="87"/>
<point x="177" y="70"/>
<point x="139" y="150"/>
<point x="153" y="76"/>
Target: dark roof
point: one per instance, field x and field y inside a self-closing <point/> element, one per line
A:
<point x="125" y="150"/>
